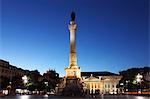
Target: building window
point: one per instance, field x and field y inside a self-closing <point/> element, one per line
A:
<point x="108" y="86"/>
<point x="113" y="86"/>
<point x="105" y="86"/>
<point x="74" y="73"/>
<point x="2" y="70"/>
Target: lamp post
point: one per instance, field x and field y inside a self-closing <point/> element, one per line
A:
<point x="127" y="85"/>
<point x="25" y="79"/>
<point x="139" y="80"/>
<point x="9" y="88"/>
<point x="46" y="83"/>
<point x="121" y="87"/>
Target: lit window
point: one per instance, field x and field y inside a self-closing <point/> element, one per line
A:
<point x="74" y="73"/>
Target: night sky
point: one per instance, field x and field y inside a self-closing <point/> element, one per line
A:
<point x="112" y="35"/>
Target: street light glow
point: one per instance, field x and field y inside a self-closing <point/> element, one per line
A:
<point x="25" y="79"/>
<point x="138" y="78"/>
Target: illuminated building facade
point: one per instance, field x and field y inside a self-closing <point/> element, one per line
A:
<point x="100" y="82"/>
<point x="9" y="71"/>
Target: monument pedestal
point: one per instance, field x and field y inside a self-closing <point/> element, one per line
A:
<point x="73" y="87"/>
<point x="73" y="72"/>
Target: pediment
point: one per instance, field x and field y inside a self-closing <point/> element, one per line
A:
<point x="91" y="79"/>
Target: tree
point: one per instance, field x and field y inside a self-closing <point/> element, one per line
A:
<point x="33" y="83"/>
<point x="16" y="82"/>
<point x="129" y="77"/>
<point x="52" y="78"/>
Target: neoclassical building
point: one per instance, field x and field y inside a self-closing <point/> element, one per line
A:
<point x="100" y="82"/>
<point x="9" y="71"/>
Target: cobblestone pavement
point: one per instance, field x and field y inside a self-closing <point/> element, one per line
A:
<point x="62" y="97"/>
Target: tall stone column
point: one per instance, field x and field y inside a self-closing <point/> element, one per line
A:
<point x="73" y="57"/>
<point x="73" y="71"/>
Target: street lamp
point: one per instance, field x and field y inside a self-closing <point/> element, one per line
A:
<point x="46" y="83"/>
<point x="121" y="87"/>
<point x="25" y="79"/>
<point x="9" y="88"/>
<point x="139" y="80"/>
<point x="127" y="85"/>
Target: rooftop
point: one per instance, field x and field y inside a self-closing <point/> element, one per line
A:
<point x="103" y="73"/>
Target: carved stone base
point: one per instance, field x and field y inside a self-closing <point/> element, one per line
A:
<point x="73" y="72"/>
<point x="73" y="87"/>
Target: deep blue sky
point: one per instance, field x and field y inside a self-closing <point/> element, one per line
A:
<point x="112" y="34"/>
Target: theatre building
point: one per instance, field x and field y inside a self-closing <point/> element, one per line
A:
<point x="100" y="82"/>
